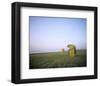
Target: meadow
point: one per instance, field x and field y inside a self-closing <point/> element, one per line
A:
<point x="57" y="60"/>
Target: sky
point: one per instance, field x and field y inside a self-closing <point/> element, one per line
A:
<point x="51" y="34"/>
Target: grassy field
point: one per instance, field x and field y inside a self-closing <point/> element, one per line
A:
<point x="57" y="60"/>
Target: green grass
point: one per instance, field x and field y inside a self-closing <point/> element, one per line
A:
<point x="57" y="60"/>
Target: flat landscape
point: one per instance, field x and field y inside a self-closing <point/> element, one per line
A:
<point x="57" y="60"/>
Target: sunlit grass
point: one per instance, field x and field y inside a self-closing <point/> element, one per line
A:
<point x="57" y="60"/>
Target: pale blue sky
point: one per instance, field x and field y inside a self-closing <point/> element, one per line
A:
<point x="51" y="34"/>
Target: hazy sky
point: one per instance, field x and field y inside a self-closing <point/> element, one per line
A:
<point x="48" y="34"/>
